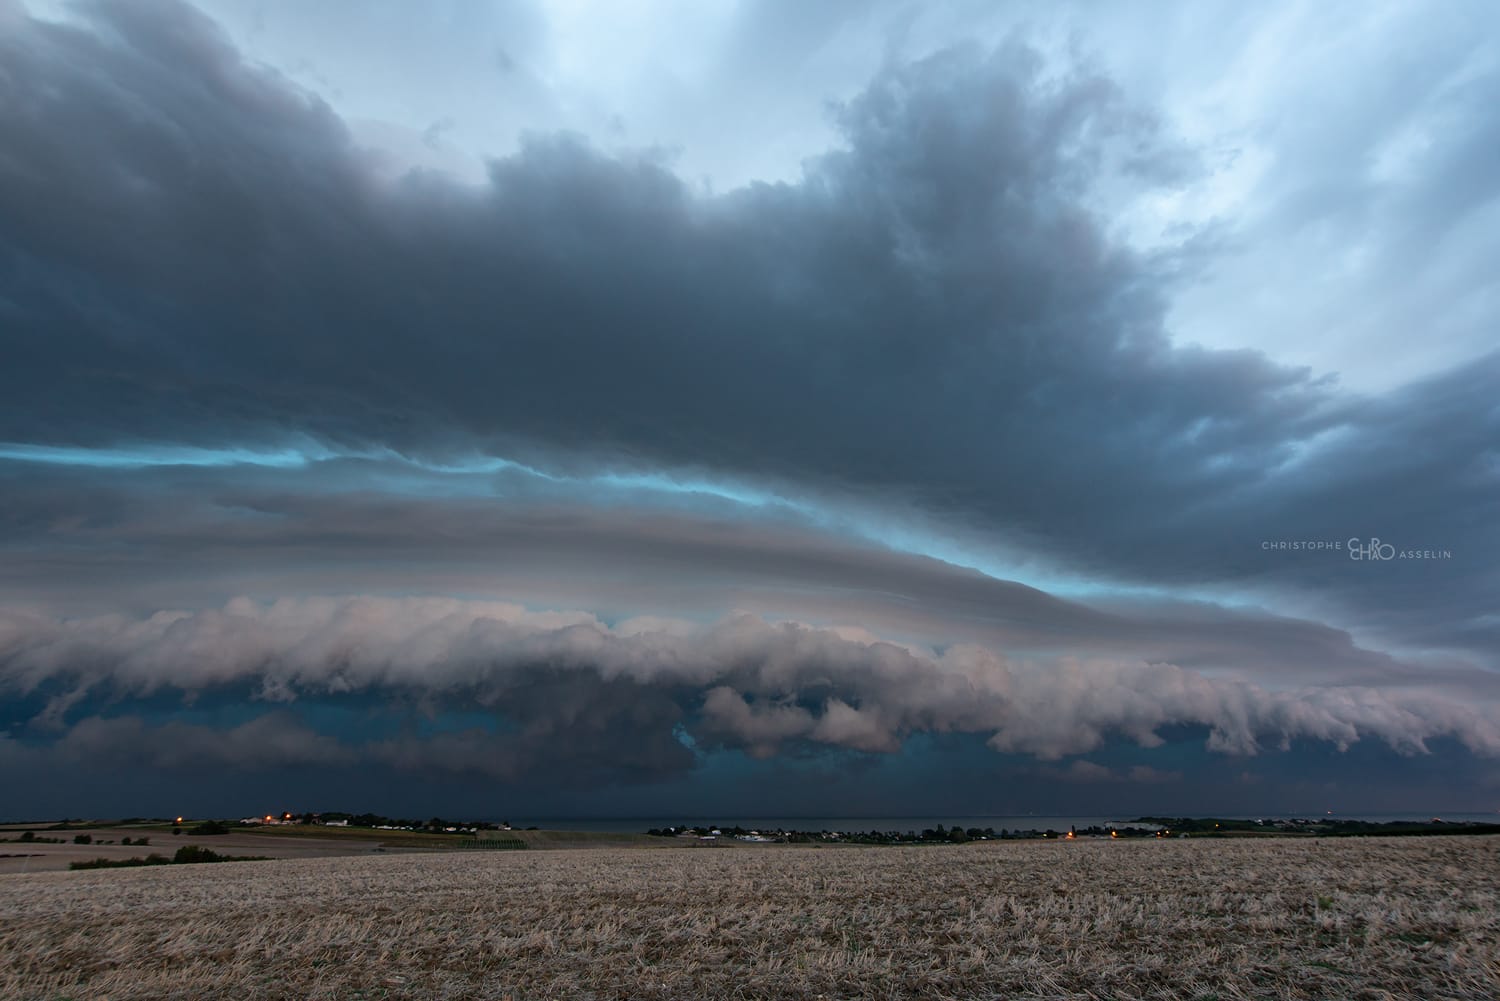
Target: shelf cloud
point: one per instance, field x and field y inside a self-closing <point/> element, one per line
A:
<point x="920" y="437"/>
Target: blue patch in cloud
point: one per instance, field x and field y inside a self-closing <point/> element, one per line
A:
<point x="148" y="456"/>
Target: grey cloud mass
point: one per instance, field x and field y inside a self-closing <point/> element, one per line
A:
<point x="748" y="682"/>
<point x="761" y="470"/>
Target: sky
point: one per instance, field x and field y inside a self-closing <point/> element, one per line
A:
<point x="767" y="409"/>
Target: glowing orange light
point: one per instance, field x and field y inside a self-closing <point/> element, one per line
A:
<point x="179" y="820"/>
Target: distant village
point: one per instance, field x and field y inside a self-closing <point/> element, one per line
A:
<point x="930" y="835"/>
<point x="376" y="822"/>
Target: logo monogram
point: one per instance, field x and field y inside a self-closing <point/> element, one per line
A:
<point x="1373" y="550"/>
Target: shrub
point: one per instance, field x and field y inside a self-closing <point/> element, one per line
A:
<point x="192" y="855"/>
<point x="121" y="863"/>
<point x="186" y="855"/>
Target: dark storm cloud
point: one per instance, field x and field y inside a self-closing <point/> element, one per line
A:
<point x="612" y="742"/>
<point x="275" y="739"/>
<point x="1089" y="772"/>
<point x="194" y="250"/>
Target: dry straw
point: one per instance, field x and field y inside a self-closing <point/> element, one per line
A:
<point x="1367" y="918"/>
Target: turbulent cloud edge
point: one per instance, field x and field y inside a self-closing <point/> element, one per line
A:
<point x="741" y="682"/>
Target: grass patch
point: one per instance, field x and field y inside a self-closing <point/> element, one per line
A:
<point x="186" y="855"/>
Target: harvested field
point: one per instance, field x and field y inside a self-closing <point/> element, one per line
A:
<point x="20" y="857"/>
<point x="1356" y="918"/>
<point x="274" y="842"/>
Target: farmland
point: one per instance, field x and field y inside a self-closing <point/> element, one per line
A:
<point x="1314" y="918"/>
<point x="55" y="849"/>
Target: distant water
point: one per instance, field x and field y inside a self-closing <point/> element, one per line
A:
<point x="1025" y="822"/>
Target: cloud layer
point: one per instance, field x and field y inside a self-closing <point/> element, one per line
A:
<point x="742" y="682"/>
<point x="246" y="357"/>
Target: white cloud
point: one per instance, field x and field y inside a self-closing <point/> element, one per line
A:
<point x="754" y="684"/>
